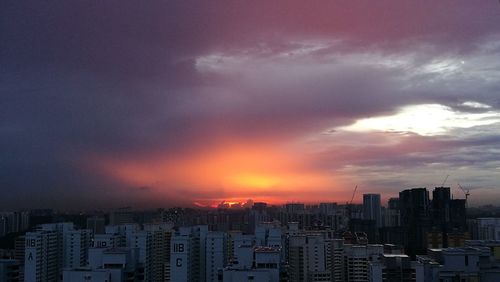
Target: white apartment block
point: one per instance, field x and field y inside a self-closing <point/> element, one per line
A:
<point x="357" y="260"/>
<point x="308" y="258"/>
<point x="187" y="254"/>
<point x="216" y="243"/>
<point x="486" y="229"/>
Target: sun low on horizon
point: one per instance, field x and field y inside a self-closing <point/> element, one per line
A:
<point x="232" y="173"/>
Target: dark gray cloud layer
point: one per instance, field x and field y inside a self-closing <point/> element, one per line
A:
<point x="80" y="78"/>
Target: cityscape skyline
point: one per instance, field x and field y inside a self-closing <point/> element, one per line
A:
<point x="415" y="239"/>
<point x="182" y="103"/>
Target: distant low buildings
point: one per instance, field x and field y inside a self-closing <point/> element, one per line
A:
<point x="413" y="239"/>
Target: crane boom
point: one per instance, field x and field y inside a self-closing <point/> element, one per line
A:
<point x="466" y="192"/>
<point x="353" y="194"/>
<point x="444" y="181"/>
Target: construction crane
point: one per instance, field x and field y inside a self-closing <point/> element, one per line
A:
<point x="444" y="181"/>
<point x="348" y="207"/>
<point x="466" y="192"/>
<point x="353" y="194"/>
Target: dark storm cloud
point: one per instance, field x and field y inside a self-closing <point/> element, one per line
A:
<point x="121" y="77"/>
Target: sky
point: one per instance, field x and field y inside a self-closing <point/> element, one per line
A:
<point x="191" y="103"/>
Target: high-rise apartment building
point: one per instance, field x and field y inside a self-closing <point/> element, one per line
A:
<point x="308" y="258"/>
<point x="53" y="247"/>
<point x="11" y="222"/>
<point x="96" y="224"/>
<point x="153" y="244"/>
<point x="75" y="247"/>
<point x="337" y="258"/>
<point x="372" y="208"/>
<point x="396" y="267"/>
<point x="357" y="259"/>
<point x="215" y="250"/>
<point x="121" y="216"/>
<point x="486" y="229"/>
<point x="263" y="265"/>
<point x="414" y="206"/>
<point x="187" y="254"/>
<point x="41" y="256"/>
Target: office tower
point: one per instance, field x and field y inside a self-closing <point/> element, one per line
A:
<point x="414" y="205"/>
<point x="357" y="259"/>
<point x="96" y="224"/>
<point x="187" y="254"/>
<point x="371" y="208"/>
<point x="396" y="267"/>
<point x="216" y="260"/>
<point x="9" y="270"/>
<point x="308" y="258"/>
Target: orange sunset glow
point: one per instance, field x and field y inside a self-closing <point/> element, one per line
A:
<point x="196" y="103"/>
<point x="231" y="173"/>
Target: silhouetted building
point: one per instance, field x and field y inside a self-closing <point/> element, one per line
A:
<point x="415" y="219"/>
<point x="9" y="270"/>
<point x="121" y="216"/>
<point x="458" y="217"/>
<point x="441" y="207"/>
<point x="96" y="224"/>
<point x="371" y="208"/>
<point x="396" y="267"/>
